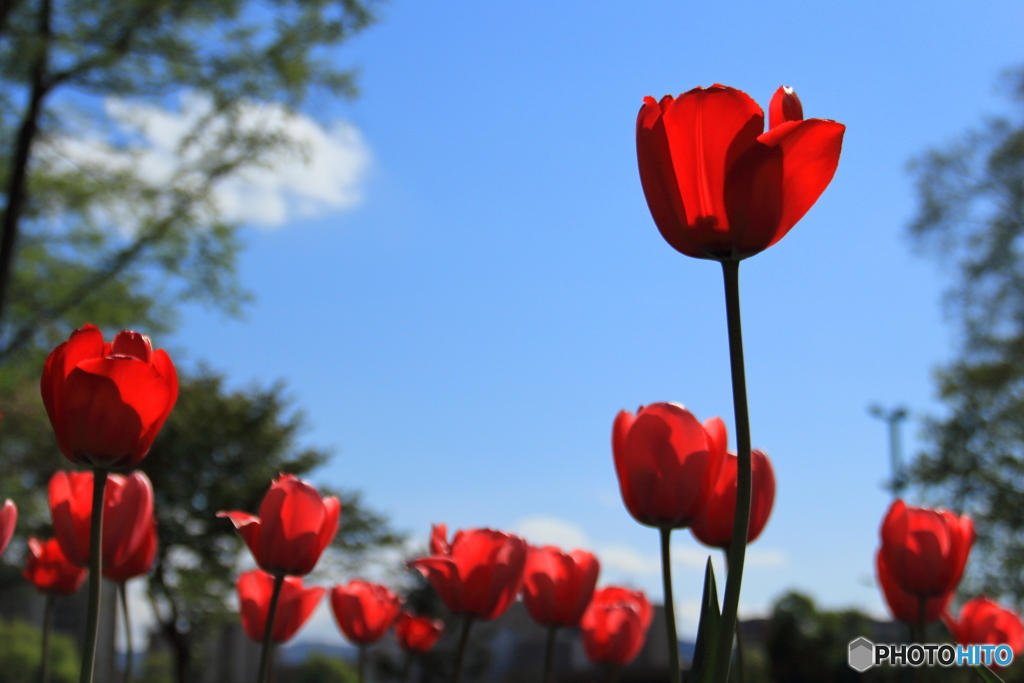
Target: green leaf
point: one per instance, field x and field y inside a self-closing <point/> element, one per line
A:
<point x="703" y="665"/>
<point x="987" y="674"/>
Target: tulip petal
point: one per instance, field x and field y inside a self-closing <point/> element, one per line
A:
<point x="132" y="345"/>
<point x="8" y="521"/>
<point x="443" y="574"/>
<point x="779" y="179"/>
<point x="248" y="528"/>
<point x="70" y="496"/>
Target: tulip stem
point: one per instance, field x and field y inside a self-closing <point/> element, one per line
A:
<point x="549" y="656"/>
<point x="362" y="663"/>
<point x="670" y="609"/>
<point x="129" y="656"/>
<point x="612" y="673"/>
<point x="463" y="639"/>
<point x="92" y="619"/>
<point x="44" y="662"/>
<point x="268" y="633"/>
<point x="738" y="544"/>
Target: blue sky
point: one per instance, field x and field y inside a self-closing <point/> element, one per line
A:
<point x="463" y="327"/>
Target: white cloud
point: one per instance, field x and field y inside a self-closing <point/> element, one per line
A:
<point x="323" y="172"/>
<point x="542" y="530"/>
<point x="624" y="559"/>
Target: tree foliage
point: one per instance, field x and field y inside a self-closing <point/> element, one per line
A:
<point x="87" y="234"/>
<point x="971" y="217"/>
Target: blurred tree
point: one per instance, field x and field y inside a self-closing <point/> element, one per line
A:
<point x="89" y="224"/>
<point x="19" y="656"/>
<point x="805" y="645"/>
<point x="970" y="216"/>
<point x="88" y="234"/>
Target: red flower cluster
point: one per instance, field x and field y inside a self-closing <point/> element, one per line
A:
<point x="614" y="627"/>
<point x="558" y="586"/>
<point x="49" y="570"/>
<point x="983" y="622"/>
<point x="675" y="472"/>
<point x="106" y="402"/>
<point x="364" y="611"/>
<point x="922" y="557"/>
<point x="718" y="187"/>
<point x="294" y="526"/>
<point x="417" y="634"/>
<point x="478" y="574"/>
<point x="129" y="532"/>
<point x="294" y="606"/>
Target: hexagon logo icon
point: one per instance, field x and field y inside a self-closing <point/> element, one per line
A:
<point x="862" y="654"/>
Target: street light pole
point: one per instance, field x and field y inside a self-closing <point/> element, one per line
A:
<point x="893" y="418"/>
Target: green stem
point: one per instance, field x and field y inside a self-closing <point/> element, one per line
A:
<point x="129" y="651"/>
<point x="460" y="653"/>
<point x="738" y="545"/>
<point x="44" y="662"/>
<point x="611" y="673"/>
<point x="670" y="608"/>
<point x="99" y="485"/>
<point x="549" y="656"/>
<point x="740" y="671"/>
<point x="362" y="663"/>
<point x="268" y="633"/>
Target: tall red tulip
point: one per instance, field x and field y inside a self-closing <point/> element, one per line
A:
<point x="713" y="526"/>
<point x="417" y="634"/>
<point x="479" y="574"/>
<point x="666" y="463"/>
<point x="904" y="606"/>
<point x="294" y="607"/>
<point x="49" y="570"/>
<point x="925" y="550"/>
<point x="364" y="611"/>
<point x="983" y="622"/>
<point x="139" y="562"/>
<point x="107" y="402"/>
<point x="558" y="586"/>
<point x="294" y="526"/>
<point x="127" y="515"/>
<point x="8" y="520"/>
<point x="614" y="627"/>
<point x="718" y="187"/>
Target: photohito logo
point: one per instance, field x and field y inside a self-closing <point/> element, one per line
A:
<point x="864" y="654"/>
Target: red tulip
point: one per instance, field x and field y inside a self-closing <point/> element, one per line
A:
<point x="904" y="606"/>
<point x="294" y="527"/>
<point x="107" y="402"/>
<point x="49" y="570"/>
<point x="925" y="550"/>
<point x="557" y="586"/>
<point x="479" y="574"/>
<point x="138" y="563"/>
<point x="294" y="606"/>
<point x="8" y="520"/>
<point x="666" y="462"/>
<point x="417" y="634"/>
<point x="713" y="526"/>
<point x="785" y="106"/>
<point x="364" y="611"/>
<point x="718" y="187"/>
<point x="615" y="625"/>
<point x="127" y="515"/>
<point x="983" y="622"/>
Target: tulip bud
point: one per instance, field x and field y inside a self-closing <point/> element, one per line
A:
<point x="785" y="107"/>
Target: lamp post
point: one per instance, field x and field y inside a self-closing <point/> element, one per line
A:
<point x="893" y="417"/>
